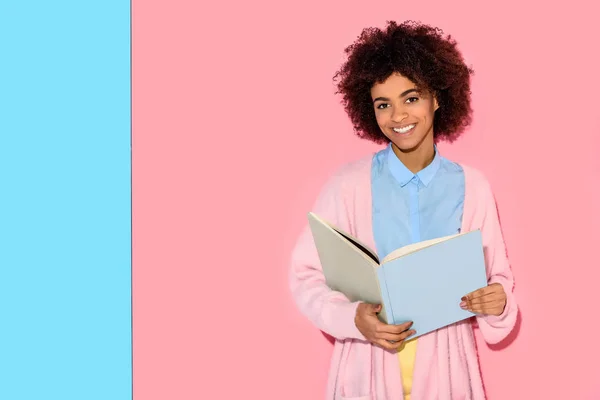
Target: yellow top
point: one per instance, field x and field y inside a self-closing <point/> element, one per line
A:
<point x="406" y="357"/>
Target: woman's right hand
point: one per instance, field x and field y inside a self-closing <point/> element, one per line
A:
<point x="390" y="337"/>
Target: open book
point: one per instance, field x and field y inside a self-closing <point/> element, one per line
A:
<point x="421" y="282"/>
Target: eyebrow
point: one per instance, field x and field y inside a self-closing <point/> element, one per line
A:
<point x="401" y="95"/>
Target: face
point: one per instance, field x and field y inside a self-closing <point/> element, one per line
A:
<point x="404" y="113"/>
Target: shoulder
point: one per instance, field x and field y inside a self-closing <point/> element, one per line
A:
<point x="346" y="181"/>
<point x="352" y="173"/>
<point x="478" y="190"/>
<point x="344" y="187"/>
<point x="475" y="174"/>
<point x="357" y="166"/>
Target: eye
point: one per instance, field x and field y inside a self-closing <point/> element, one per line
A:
<point x="412" y="99"/>
<point x="381" y="106"/>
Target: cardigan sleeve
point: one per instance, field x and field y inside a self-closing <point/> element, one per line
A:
<point x="495" y="328"/>
<point x="330" y="311"/>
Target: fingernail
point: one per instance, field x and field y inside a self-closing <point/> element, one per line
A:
<point x="463" y="304"/>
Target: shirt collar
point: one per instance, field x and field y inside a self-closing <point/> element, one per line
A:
<point x="403" y="175"/>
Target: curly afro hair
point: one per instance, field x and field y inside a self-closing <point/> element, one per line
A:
<point x="422" y="54"/>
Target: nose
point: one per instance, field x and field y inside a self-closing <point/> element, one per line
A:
<point x="399" y="114"/>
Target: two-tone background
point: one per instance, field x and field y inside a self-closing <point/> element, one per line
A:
<point x="157" y="160"/>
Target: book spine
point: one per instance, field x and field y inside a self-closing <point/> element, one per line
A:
<point x="385" y="297"/>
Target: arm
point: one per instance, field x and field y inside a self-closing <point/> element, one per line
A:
<point x="328" y="310"/>
<point x="495" y="328"/>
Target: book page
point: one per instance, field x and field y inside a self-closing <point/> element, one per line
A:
<point x="361" y="246"/>
<point x="354" y="241"/>
<point x="411" y="248"/>
<point x="347" y="269"/>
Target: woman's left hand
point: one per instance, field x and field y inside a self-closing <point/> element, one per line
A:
<point x="489" y="300"/>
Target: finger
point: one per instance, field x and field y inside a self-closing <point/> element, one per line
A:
<point x="407" y="335"/>
<point x="494" y="288"/>
<point x="466" y="301"/>
<point x="394" y="329"/>
<point x="491" y="298"/>
<point x="488" y="309"/>
<point x="477" y="293"/>
<point x="395" y="337"/>
<point x="367" y="309"/>
<point x="396" y="345"/>
<point x="373" y="309"/>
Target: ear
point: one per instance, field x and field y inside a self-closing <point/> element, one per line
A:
<point x="435" y="102"/>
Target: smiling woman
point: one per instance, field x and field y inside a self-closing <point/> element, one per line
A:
<point x="407" y="86"/>
<point x="386" y="67"/>
<point x="406" y="119"/>
<point x="422" y="54"/>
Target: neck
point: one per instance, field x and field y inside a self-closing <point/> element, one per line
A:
<point x="418" y="158"/>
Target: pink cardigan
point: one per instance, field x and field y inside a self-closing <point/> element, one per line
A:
<point x="446" y="366"/>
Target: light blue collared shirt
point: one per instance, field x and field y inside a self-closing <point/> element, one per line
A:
<point x="409" y="208"/>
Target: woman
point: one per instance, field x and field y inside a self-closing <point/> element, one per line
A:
<point x="406" y="86"/>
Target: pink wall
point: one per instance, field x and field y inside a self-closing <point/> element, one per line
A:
<point x="236" y="128"/>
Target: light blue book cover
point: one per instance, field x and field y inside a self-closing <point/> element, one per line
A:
<point x="426" y="285"/>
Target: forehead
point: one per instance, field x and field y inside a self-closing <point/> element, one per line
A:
<point x="392" y="86"/>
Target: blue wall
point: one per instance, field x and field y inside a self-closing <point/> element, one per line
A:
<point x="65" y="200"/>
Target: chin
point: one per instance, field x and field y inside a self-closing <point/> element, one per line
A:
<point x="406" y="145"/>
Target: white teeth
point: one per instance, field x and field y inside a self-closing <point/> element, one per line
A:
<point x="405" y="129"/>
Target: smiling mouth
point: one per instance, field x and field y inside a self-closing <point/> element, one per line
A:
<point x="405" y="129"/>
